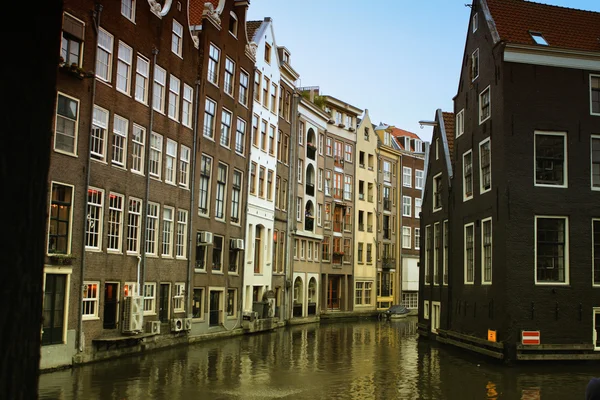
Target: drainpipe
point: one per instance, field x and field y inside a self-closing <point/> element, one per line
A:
<point x="147" y="172"/>
<point x="80" y="339"/>
<point x="188" y="283"/>
<point x="291" y="196"/>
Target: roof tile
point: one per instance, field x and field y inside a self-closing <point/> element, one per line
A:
<point x="449" y="127"/>
<point x="251" y="28"/>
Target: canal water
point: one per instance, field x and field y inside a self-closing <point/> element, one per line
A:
<point x="350" y="360"/>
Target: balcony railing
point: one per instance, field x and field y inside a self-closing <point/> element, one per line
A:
<point x="200" y="264"/>
<point x="387" y="176"/>
<point x="310" y="189"/>
<point x="369" y="228"/>
<point x="348" y="227"/>
<point x="387" y="204"/>
<point x="337" y="258"/>
<point x="361" y="227"/>
<point x="327" y="224"/>
<point x="243" y="98"/>
<point x="388" y="262"/>
<point x="239" y="147"/>
<point x="347" y="195"/>
<point x="370" y="198"/>
<point x="361" y="196"/>
<point x="338" y="194"/>
<point x="338" y="161"/>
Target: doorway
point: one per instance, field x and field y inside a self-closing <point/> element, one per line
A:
<point x="111" y="303"/>
<point x="333" y="293"/>
<point x="54" y="309"/>
<point x="163" y="305"/>
<point x="215" y="308"/>
<point x="596" y="322"/>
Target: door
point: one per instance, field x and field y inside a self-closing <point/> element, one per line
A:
<point x="54" y="309"/>
<point x="163" y="305"/>
<point x="597" y="329"/>
<point x="215" y="305"/>
<point x="111" y="302"/>
<point x="333" y="290"/>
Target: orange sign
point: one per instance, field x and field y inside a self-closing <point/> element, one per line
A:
<point x="491" y="335"/>
<point x="530" y="337"/>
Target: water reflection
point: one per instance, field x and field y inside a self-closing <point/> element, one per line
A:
<point x="364" y="360"/>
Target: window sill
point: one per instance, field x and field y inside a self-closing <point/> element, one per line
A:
<point x="99" y="161"/>
<point x="124" y="93"/>
<point x="144" y="103"/>
<point x="66" y="153"/>
<point x="114" y="252"/>
<point x="148" y="313"/>
<point x="216" y="272"/>
<point x="551" y="186"/>
<point x="199" y="271"/>
<point x="90" y="318"/>
<point x="121" y="167"/>
<point x="552" y="284"/>
<point x="93" y="250"/>
<point x="107" y="83"/>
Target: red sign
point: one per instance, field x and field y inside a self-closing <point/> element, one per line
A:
<point x="530" y="337"/>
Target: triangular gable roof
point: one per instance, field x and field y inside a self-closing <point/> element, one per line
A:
<point x="448" y="118"/>
<point x="561" y="27"/>
<point x="196" y="8"/>
<point x="251" y="28"/>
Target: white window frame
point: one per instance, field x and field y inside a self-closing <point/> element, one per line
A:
<point x="465" y="263"/>
<point x="460" y="122"/>
<point x="434" y="191"/>
<point x="436" y="257"/>
<point x="159" y="89"/>
<point x="87" y="299"/>
<point x="474" y="64"/>
<point x="567" y="271"/>
<point x="483" y="280"/>
<point x="479" y="104"/>
<point x="210" y="112"/>
<point x="75" y="125"/>
<point x="418" y="207"/>
<point x="425" y="309"/>
<point x="481" y="144"/>
<point x="114" y="237"/>
<point x="150" y="300"/>
<point x="244" y="87"/>
<point x="236" y="194"/>
<point x="215" y="62"/>
<point x="221" y="191"/>
<point x="174" y="96"/>
<point x="208" y="179"/>
<point x="229" y="77"/>
<point x="181" y="234"/>
<point x="417" y="244"/>
<point x="419" y="181"/>
<point x="184" y="166"/>
<point x="151" y="242"/>
<point x="406" y="237"/>
<point x="124" y="62"/>
<point x="186" y="109"/>
<point x="445" y="247"/>
<point x="131" y="7"/>
<point x="565" y="158"/>
<point x="156" y="147"/>
<point x="178" y="297"/>
<point x="138" y="215"/>
<point x="406" y="202"/>
<point x="436" y="317"/>
<point x="141" y="79"/>
<point x="109" y="51"/>
<point x="593" y="76"/>
<point x="141" y="146"/>
<point x="177" y="39"/>
<point x="100" y="220"/>
<point x="467" y="197"/>
<point x="99" y="134"/>
<point x="475" y="23"/>
<point x="119" y="141"/>
<point x="225" y="134"/>
<point x="70" y="235"/>
<point x="171" y="162"/>
<point x="407" y="177"/>
<point x="299" y="209"/>
<point x="168" y="223"/>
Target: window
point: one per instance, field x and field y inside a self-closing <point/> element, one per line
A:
<point x="104" y="55"/>
<point x="99" y="135"/>
<point x="209" y="118"/>
<point x="253" y="167"/>
<point x="240" y="136"/>
<point x="134" y="219"/>
<point x="95" y="221"/>
<point x="436" y="253"/>
<point x="596" y="252"/>
<point x="348" y="152"/>
<point x="319" y="214"/>
<point x="229" y="73"/>
<point x="119" y="144"/>
<point x="595" y="94"/>
<point x="128" y="9"/>
<point x="167" y="232"/>
<point x="551" y="159"/>
<point x="284" y="196"/>
<point x="149" y="298"/>
<point x="243" y="94"/>
<point x="261" y="182"/>
<point x="347" y="187"/>
<point x="486" y="251"/>
<point x="272" y="140"/>
<point x="201" y="252"/>
<point x="273" y="98"/>
<point x="321" y="143"/>
<point x="595" y="158"/>
<point x="217" y="255"/>
<point x="213" y="64"/>
<point x="138" y="152"/>
<point x="158" y="91"/>
<point x="90" y="300"/>
<point x="469" y="253"/>
<point x="437" y="148"/>
<point x="325" y="248"/>
<point x="225" y="128"/>
<point x="54" y="308"/>
<point x="328" y="147"/>
<point x="152" y="228"/>
<point x="418" y="202"/>
<point x="124" y="68"/>
<point x="220" y="195"/>
<point x="181" y="241"/>
<point x="184" y="166"/>
<point x="445" y="239"/>
<point x="387" y="171"/>
<point x="263" y="135"/>
<point x="369" y="253"/>
<point x="475" y="65"/>
<point x="142" y="68"/>
<point x="299" y="209"/>
<point x="300" y="170"/>
<point x="233" y="24"/>
<point x="198" y="303"/>
<point x="419" y="179"/>
<point x="302" y="249"/>
<point x="406" y="206"/>
<point x="417" y="238"/>
<point x="428" y="254"/>
<point x="406" y="176"/>
<point x="552" y="250"/>
<point x="72" y="38"/>
<point x="538" y="38"/>
<point x="437" y="192"/>
<point x="231" y="302"/>
<point x="460" y="123"/>
<point x="257" y="82"/>
<point x="270" y="185"/>
<point x="484" y="105"/>
<point x="268" y="53"/>
<point x="475" y="23"/>
<point x="426" y="309"/>
<point x="186" y="110"/>
<point x="236" y="190"/>
<point x="155" y="160"/>
<point x="204" y="190"/>
<point x="406" y="237"/>
<point x="177" y="39"/>
<point x="67" y="116"/>
<point x="265" y="96"/>
<point x="178" y="297"/>
<point x="59" y="229"/>
<point x="174" y="88"/>
<point x="115" y="221"/>
<point x="468" y="175"/>
<point x="485" y="166"/>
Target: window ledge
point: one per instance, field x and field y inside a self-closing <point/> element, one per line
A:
<point x="90" y="318"/>
<point x="199" y="271"/>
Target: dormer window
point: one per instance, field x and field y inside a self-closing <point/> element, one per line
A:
<point x="286" y="57"/>
<point x="233" y="24"/>
<point x="538" y="38"/>
<point x="475" y="22"/>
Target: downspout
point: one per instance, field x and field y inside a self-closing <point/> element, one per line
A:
<point x="291" y="197"/>
<point x="80" y="339"/>
<point x="147" y="172"/>
<point x="188" y="283"/>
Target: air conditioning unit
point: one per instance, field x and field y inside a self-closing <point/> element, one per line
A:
<point x="187" y="324"/>
<point x="237" y="244"/>
<point x="133" y="308"/>
<point x="204" y="238"/>
<point x="176" y="324"/>
<point x="153" y="327"/>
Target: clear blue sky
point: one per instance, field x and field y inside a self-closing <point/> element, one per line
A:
<point x="398" y="58"/>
